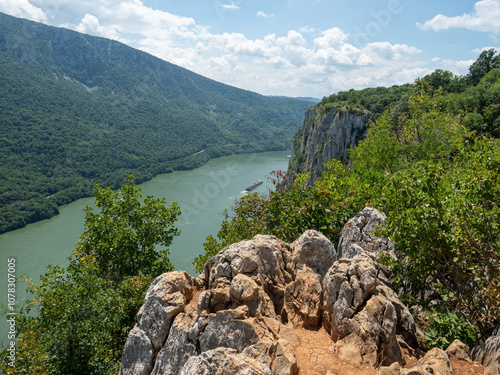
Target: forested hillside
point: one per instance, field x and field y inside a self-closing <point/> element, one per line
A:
<point x="77" y="109"/>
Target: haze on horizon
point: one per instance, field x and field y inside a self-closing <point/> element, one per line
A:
<point x="288" y="47"/>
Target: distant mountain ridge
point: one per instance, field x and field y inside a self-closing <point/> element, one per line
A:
<point x="77" y="109"/>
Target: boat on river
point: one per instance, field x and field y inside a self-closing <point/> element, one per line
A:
<point x="254" y="185"/>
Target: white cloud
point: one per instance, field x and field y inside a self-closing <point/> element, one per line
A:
<point x="485" y="18"/>
<point x="264" y="15"/>
<point x="293" y="38"/>
<point x="303" y="62"/>
<point x="307" y="29"/>
<point x="90" y="25"/>
<point x="23" y="9"/>
<point x="387" y="51"/>
<point x="230" y="6"/>
<point x="479" y="50"/>
<point x="333" y="37"/>
<point x="458" y="67"/>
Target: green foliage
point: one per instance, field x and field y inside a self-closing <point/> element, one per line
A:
<point x="375" y="100"/>
<point x="122" y="235"/>
<point x="445" y="80"/>
<point x="482" y="105"/>
<point x="444" y="218"/>
<point x="398" y="141"/>
<point x="86" y="311"/>
<point x="483" y="64"/>
<point x="443" y="326"/>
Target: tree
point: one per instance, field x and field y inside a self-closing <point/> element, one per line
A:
<point x="439" y="78"/>
<point x="484" y="63"/>
<point x="121" y="237"/>
<point x="398" y="141"/>
<point x="86" y="311"/>
<point x="444" y="217"/>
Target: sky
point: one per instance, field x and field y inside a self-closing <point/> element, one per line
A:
<point x="297" y="48"/>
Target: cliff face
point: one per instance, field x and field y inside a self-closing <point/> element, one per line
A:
<point x="325" y="136"/>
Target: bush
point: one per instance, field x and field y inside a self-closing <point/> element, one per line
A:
<point x="86" y="311"/>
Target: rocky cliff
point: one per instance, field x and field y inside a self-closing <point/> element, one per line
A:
<point x="324" y="136"/>
<point x="263" y="306"/>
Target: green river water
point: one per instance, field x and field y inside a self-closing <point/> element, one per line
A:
<point x="202" y="193"/>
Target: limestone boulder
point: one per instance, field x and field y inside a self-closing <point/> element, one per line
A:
<point x="230" y="329"/>
<point x="177" y="349"/>
<point x="312" y="250"/>
<point x="393" y="369"/>
<point x="241" y="315"/>
<point x="263" y="258"/>
<point x="303" y="300"/>
<point x="313" y="254"/>
<point x="458" y="349"/>
<point x="283" y="359"/>
<point x="137" y="356"/>
<point x="435" y="362"/>
<point x="165" y="299"/>
<point x="362" y="313"/>
<point x="245" y="291"/>
<point x="358" y="235"/>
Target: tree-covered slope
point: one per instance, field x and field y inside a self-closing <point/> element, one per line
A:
<point x="77" y="109"/>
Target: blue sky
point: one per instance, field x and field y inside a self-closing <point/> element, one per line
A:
<point x="289" y="47"/>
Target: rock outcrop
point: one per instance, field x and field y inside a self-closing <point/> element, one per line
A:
<point x="242" y="315"/>
<point x="436" y="361"/>
<point x="357" y="236"/>
<point x="325" y="136"/>
<point x="488" y="354"/>
<point x="363" y="314"/>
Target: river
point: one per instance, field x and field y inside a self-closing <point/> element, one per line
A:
<point x="202" y="193"/>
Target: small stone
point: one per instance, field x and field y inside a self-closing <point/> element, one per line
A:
<point x="320" y="369"/>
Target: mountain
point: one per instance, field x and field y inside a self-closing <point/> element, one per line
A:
<point x="77" y="109"/>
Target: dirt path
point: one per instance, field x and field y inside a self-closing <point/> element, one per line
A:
<point x="315" y="356"/>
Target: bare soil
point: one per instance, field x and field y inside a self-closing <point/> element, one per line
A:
<point x="315" y="356"/>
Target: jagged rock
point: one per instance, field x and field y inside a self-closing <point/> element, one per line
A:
<point x="137" y="357"/>
<point x="223" y="361"/>
<point x="360" y="314"/>
<point x="244" y="290"/>
<point x="165" y="299"/>
<point x="488" y="355"/>
<point x="357" y="237"/>
<point x="177" y="349"/>
<point x="314" y="251"/>
<point x="246" y="293"/>
<point x="262" y="258"/>
<point x="313" y="255"/>
<point x="458" y="349"/>
<point x="303" y="300"/>
<point x="230" y="329"/>
<point x="435" y="362"/>
<point x="284" y="362"/>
